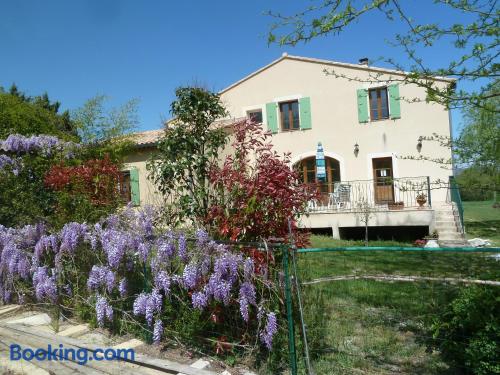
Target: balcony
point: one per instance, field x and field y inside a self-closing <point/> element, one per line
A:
<point x="382" y="194"/>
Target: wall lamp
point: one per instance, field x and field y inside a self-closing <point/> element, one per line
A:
<point x="419" y="143"/>
<point x="356" y="149"/>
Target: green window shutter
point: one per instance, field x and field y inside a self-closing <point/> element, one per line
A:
<point x="305" y="113"/>
<point x="272" y="119"/>
<point x="362" y="105"/>
<point x="134" y="187"/>
<point x="394" y="102"/>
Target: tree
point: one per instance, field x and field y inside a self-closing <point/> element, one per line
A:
<point x="22" y="114"/>
<point x="190" y="148"/>
<point x="478" y="147"/>
<point x="102" y="130"/>
<point x="475" y="41"/>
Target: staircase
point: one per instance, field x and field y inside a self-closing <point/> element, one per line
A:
<point x="448" y="227"/>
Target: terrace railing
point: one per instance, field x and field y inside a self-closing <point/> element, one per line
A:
<point x="456" y="200"/>
<point x="383" y="194"/>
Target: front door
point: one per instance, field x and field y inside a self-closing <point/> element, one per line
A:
<point x="383" y="180"/>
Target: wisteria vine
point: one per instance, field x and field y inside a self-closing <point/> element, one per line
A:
<point x="32" y="262"/>
<point x="18" y="145"/>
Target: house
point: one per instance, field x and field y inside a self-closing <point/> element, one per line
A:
<point x="369" y="124"/>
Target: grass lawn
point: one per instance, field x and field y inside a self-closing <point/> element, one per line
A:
<point x="482" y="220"/>
<point x="380" y="327"/>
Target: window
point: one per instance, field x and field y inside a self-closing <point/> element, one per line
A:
<point x="289" y="115"/>
<point x="255" y="116"/>
<point x="379" y="107"/>
<point x="124" y="186"/>
<point x="307" y="173"/>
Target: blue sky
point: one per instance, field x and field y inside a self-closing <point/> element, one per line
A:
<point x="145" y="49"/>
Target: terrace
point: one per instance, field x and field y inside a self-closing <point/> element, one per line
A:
<point x="383" y="194"/>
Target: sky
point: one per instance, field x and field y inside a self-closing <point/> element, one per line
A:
<point x="74" y="50"/>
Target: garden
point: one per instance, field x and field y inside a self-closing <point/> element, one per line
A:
<point x="206" y="266"/>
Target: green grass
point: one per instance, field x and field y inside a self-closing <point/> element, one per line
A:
<point x="374" y="327"/>
<point x="482" y="220"/>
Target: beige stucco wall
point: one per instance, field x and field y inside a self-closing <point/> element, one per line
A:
<point x="138" y="159"/>
<point x="335" y="123"/>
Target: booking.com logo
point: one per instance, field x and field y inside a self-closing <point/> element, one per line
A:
<point x="78" y="355"/>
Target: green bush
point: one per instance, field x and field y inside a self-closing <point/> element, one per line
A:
<point x="468" y="329"/>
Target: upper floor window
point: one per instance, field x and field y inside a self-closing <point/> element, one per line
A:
<point x="289" y="115"/>
<point x="255" y="115"/>
<point x="379" y="107"/>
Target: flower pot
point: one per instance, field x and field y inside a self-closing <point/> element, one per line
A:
<point x="421" y="202"/>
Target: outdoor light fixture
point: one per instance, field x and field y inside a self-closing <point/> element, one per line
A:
<point x="356" y="149"/>
<point x="419" y="144"/>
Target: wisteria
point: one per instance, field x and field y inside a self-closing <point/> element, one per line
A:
<point x="147" y="304"/>
<point x="45" y="285"/>
<point x="101" y="276"/>
<point x="103" y="310"/>
<point x="157" y="331"/>
<point x="122" y="287"/>
<point x="131" y="261"/>
<point x="44" y="144"/>
<point x="269" y="331"/>
<point x="14" y="164"/>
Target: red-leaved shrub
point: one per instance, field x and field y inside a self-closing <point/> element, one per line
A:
<point x="95" y="179"/>
<point x="258" y="190"/>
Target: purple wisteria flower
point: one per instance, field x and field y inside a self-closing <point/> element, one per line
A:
<point x="157" y="331"/>
<point x="162" y="282"/>
<point x="190" y="275"/>
<point x="101" y="276"/>
<point x="103" y="310"/>
<point x="13" y="164"/>
<point x="45" y="285"/>
<point x="44" y="144"/>
<point x="114" y="244"/>
<point x="199" y="300"/>
<point x="202" y="238"/>
<point x="166" y="247"/>
<point x="247" y="296"/>
<point x="143" y="249"/>
<point x="122" y="287"/>
<point x="45" y="244"/>
<point x="248" y="268"/>
<point x="182" y="248"/>
<point x="266" y="336"/>
<point x="148" y="304"/>
<point x="70" y="234"/>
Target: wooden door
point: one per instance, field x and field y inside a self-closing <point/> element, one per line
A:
<point x="383" y="180"/>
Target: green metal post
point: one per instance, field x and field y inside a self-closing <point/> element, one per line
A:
<point x="289" y="314"/>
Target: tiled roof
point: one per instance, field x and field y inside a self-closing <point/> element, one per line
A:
<point x="150" y="137"/>
<point x="147" y="138"/>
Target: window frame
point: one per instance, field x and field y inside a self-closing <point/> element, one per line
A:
<point x="290" y="115"/>
<point x="379" y="108"/>
<point x="332" y="167"/>
<point x="125" y="194"/>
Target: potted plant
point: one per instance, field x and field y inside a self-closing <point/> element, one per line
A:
<point x="421" y="199"/>
<point x="396" y="205"/>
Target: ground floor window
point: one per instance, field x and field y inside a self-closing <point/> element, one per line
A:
<point x="124" y="186"/>
<point x="307" y="173"/>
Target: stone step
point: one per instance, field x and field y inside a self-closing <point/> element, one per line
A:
<point x="453" y="243"/>
<point x="448" y="224"/>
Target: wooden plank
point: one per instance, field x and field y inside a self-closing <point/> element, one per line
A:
<point x="30" y="340"/>
<point x="4" y="310"/>
<point x="53" y="367"/>
<point x="140" y="360"/>
<point x="75" y="331"/>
